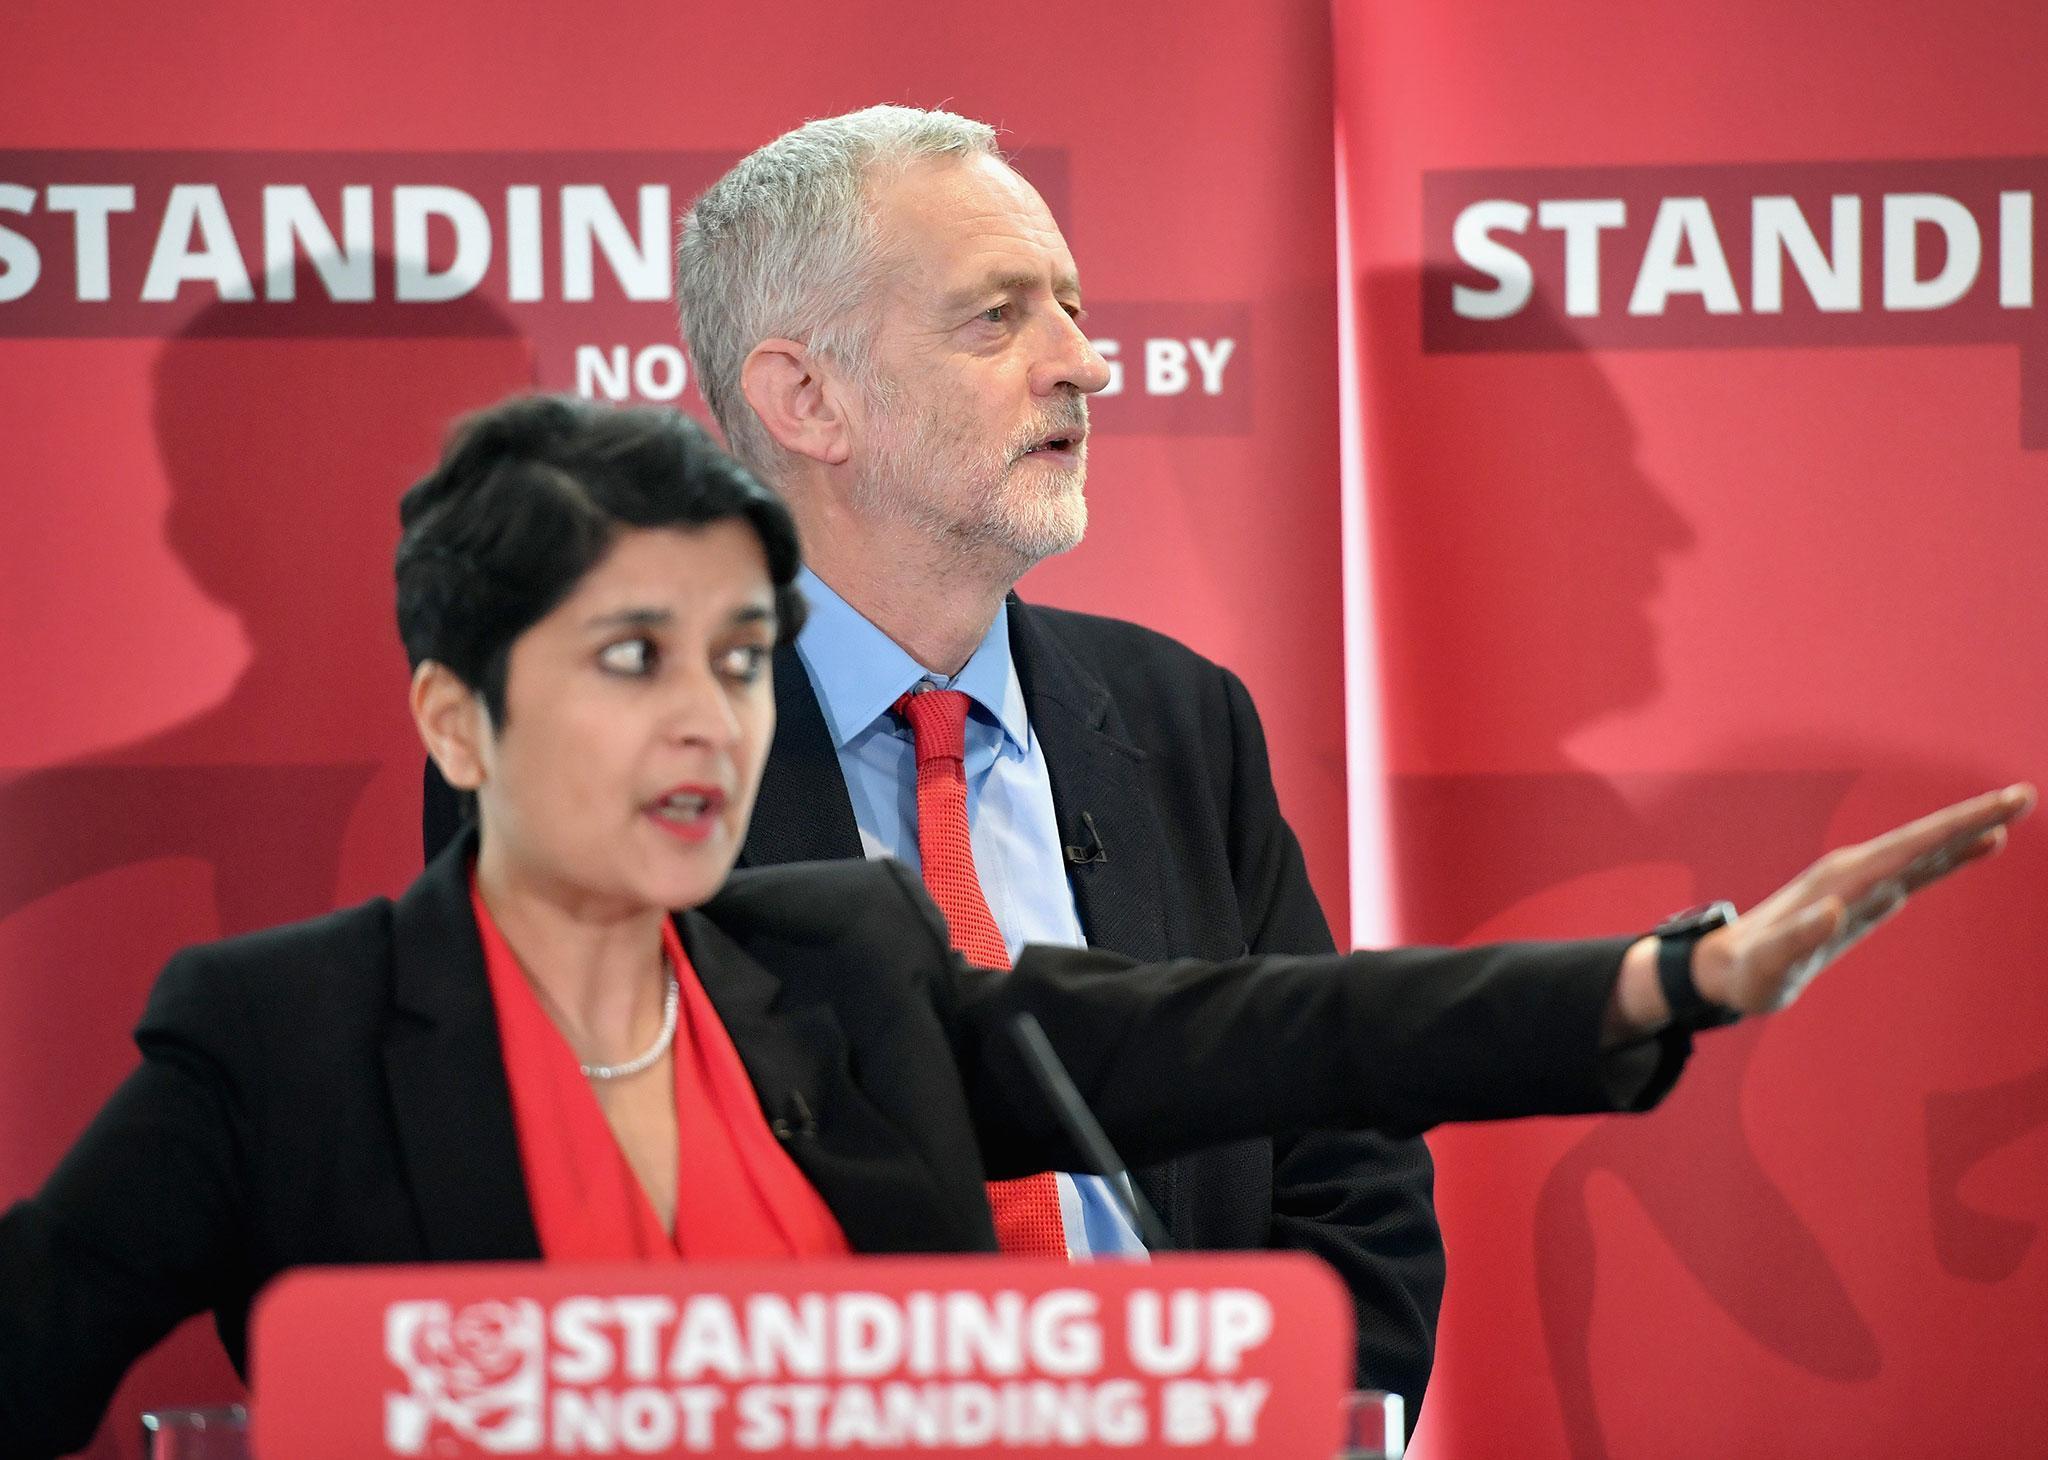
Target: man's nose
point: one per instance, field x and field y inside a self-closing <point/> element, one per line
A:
<point x="1070" y="360"/>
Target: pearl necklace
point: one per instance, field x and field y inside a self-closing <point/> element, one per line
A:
<point x="670" y="1006"/>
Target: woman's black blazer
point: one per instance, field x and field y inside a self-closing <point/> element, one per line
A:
<point x="333" y="1092"/>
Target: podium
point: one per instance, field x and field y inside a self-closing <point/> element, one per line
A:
<point x="1196" y="1356"/>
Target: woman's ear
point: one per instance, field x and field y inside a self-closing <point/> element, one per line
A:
<point x="452" y="723"/>
<point x="797" y="401"/>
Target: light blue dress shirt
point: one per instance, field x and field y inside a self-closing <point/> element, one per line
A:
<point x="859" y="672"/>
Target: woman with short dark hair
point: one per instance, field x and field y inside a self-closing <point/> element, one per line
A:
<point x="530" y="495"/>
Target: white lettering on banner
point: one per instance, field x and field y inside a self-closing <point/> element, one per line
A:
<point x="1064" y="1336"/>
<point x="654" y="1373"/>
<point x="196" y="207"/>
<point x="1779" y="230"/>
<point x="1166" y="371"/>
<point x="1684" y="227"/>
<point x="641" y="1322"/>
<point x="1514" y="282"/>
<point x="957" y="1413"/>
<point x="1165" y="1331"/>
<point x="90" y="208"/>
<point x="196" y="243"/>
<point x="1904" y="215"/>
<point x="604" y="372"/>
<point x="1166" y="367"/>
<point x="708" y="1342"/>
<point x="620" y="372"/>
<point x="1239" y="1321"/>
<point x="984" y="1338"/>
<point x="292" y="221"/>
<point x="1210" y="358"/>
<point x="2016" y="250"/>
<point x="524" y="264"/>
<point x="1210" y="1329"/>
<point x="637" y="1421"/>
<point x="588" y="218"/>
<point x="1192" y="1412"/>
<point x="788" y="1338"/>
<point x="564" y="257"/>
<point x="1580" y="220"/>
<point x="21" y="264"/>
<point x="860" y="1335"/>
<point x="868" y="1335"/>
<point x="1683" y="255"/>
<point x="659" y="372"/>
<point x="583" y="1355"/>
<point x="413" y="209"/>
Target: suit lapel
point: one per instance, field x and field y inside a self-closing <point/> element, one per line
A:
<point x="1095" y="769"/>
<point x="446" y="1075"/>
<point x="802" y="813"/>
<point x="785" y="1050"/>
<point x="795" y="1052"/>
<point x="1114" y="856"/>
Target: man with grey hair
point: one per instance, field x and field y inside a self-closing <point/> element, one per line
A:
<point x="884" y="317"/>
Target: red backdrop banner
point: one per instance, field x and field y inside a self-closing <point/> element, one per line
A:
<point x="1700" y="519"/>
<point x="252" y="260"/>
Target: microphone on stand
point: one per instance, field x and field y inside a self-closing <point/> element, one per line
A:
<point x="1084" y="1130"/>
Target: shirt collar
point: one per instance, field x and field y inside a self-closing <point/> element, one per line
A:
<point x="859" y="671"/>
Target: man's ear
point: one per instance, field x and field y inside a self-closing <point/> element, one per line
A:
<point x="797" y="401"/>
<point x="452" y="723"/>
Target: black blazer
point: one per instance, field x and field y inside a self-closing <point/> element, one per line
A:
<point x="333" y="1092"/>
<point x="1183" y="853"/>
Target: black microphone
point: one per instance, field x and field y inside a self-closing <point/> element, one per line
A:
<point x="1090" y="850"/>
<point x="1082" y="1128"/>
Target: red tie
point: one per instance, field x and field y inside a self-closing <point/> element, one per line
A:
<point x="1027" y="1210"/>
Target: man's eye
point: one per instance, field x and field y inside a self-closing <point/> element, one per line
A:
<point x="996" y="313"/>
<point x="628" y="656"/>
<point x="743" y="663"/>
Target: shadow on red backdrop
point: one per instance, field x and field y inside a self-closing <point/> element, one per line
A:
<point x="285" y="458"/>
<point x="1540" y="540"/>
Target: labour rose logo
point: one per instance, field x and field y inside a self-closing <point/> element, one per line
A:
<point x="475" y="1374"/>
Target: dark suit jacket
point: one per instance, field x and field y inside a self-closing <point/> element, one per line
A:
<point x="1163" y="752"/>
<point x="333" y="1092"/>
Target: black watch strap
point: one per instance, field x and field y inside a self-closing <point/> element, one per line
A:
<point x="1676" y="938"/>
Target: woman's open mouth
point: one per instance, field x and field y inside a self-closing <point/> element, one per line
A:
<point x="688" y="813"/>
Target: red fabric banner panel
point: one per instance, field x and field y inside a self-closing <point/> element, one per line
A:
<point x="206" y="432"/>
<point x="1702" y="516"/>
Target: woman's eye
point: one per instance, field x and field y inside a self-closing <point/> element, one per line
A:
<point x="743" y="663"/>
<point x="628" y="656"/>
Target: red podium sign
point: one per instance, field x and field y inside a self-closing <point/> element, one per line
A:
<point x="1187" y="1356"/>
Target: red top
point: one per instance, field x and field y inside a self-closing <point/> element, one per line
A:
<point x="738" y="1195"/>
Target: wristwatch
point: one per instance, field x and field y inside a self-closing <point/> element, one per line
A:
<point x="1676" y="937"/>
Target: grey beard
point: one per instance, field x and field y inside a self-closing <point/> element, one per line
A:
<point x="892" y="484"/>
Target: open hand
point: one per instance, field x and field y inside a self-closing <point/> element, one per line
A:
<point x="1761" y="961"/>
